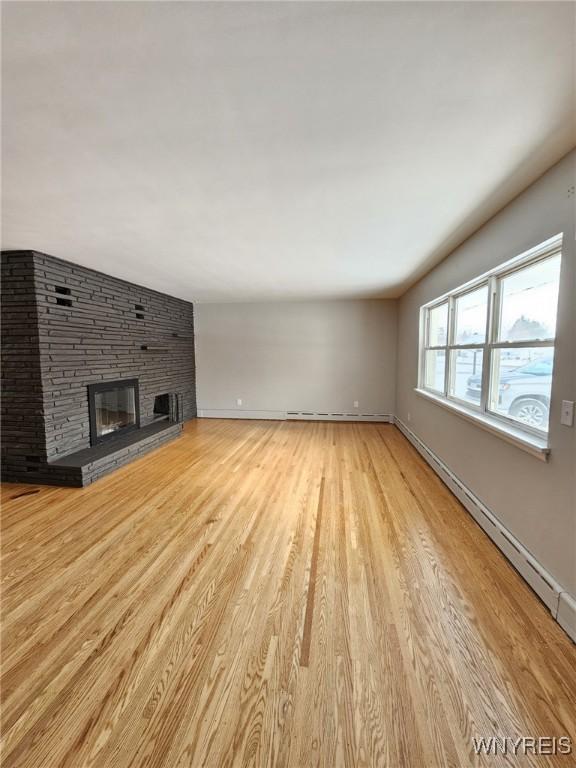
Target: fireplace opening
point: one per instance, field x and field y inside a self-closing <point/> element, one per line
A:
<point x="114" y="409"/>
<point x="161" y="407"/>
<point x="168" y="406"/>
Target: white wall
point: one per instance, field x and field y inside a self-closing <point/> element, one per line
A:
<point x="533" y="499"/>
<point x="297" y="356"/>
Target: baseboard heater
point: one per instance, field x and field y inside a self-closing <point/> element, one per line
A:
<point x="338" y="416"/>
<point x="560" y="603"/>
<point x="240" y="413"/>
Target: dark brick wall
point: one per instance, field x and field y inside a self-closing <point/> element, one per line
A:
<point x="22" y="420"/>
<point x="86" y="327"/>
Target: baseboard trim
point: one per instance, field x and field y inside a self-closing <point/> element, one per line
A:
<point x="240" y="413"/>
<point x="561" y="604"/>
<point x="567" y="614"/>
<point x="310" y="416"/>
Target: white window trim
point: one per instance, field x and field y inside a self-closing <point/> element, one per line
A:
<point x="533" y="440"/>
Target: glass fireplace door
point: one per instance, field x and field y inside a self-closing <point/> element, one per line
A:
<point x="113" y="409"/>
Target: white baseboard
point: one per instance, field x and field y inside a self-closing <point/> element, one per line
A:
<point x="324" y="416"/>
<point x="240" y="413"/>
<point x="561" y="604"/>
<point x="567" y="614"/>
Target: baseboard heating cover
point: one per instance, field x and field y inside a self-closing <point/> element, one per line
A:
<point x="340" y="416"/>
<point x="240" y="413"/>
<point x="561" y="604"/>
<point x="567" y="614"/>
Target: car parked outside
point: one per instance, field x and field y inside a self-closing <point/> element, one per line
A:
<point x="523" y="393"/>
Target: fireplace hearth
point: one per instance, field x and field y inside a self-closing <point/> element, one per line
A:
<point x="114" y="409"/>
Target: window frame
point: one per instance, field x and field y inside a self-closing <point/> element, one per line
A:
<point x="434" y="347"/>
<point x="493" y="281"/>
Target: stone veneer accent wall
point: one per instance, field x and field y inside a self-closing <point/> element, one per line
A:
<point x="66" y="326"/>
<point x="22" y="421"/>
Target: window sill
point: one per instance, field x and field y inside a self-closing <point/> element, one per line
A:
<point x="531" y="444"/>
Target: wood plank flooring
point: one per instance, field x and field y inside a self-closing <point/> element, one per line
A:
<point x="269" y="594"/>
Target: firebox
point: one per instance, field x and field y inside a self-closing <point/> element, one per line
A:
<point x="114" y="409"/>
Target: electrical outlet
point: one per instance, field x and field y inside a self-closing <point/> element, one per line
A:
<point x="567" y="413"/>
<point x="356" y="403"/>
<point x="239" y="401"/>
<point x="409" y="416"/>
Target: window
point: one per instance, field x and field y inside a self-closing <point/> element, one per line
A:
<point x="488" y="347"/>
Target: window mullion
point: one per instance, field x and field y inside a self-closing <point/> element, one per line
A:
<point x="491" y="335"/>
<point x="423" y="342"/>
<point x="449" y="341"/>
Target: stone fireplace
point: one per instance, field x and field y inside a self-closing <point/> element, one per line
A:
<point x="95" y="371"/>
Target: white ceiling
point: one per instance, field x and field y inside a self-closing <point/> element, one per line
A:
<point x="244" y="151"/>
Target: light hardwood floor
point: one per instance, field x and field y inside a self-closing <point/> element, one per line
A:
<point x="269" y="594"/>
